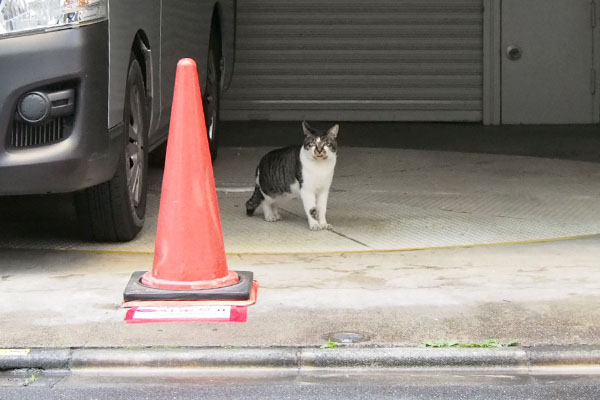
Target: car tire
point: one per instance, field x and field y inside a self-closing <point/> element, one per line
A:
<point x="212" y="94"/>
<point x="115" y="210"/>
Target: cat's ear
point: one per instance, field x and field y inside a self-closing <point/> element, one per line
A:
<point x="308" y="130"/>
<point x="333" y="131"/>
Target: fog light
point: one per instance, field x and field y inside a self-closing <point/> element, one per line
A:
<point x="34" y="107"/>
<point x="38" y="107"/>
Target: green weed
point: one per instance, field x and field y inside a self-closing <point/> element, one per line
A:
<point x="29" y="381"/>
<point x="330" y="345"/>
<point x="485" y="344"/>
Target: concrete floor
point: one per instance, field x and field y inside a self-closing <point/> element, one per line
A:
<point x="536" y="293"/>
<point x="362" y="277"/>
<point x="381" y="199"/>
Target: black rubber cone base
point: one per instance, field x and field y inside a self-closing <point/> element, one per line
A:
<point x="135" y="291"/>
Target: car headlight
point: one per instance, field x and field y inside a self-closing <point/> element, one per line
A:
<point x="28" y="16"/>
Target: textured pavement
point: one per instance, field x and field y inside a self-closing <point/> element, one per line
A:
<point x="381" y="199"/>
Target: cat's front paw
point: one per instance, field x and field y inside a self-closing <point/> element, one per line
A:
<point x="314" y="226"/>
<point x="326" y="226"/>
<point x="272" y="218"/>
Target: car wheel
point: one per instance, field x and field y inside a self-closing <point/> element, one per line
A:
<point x="115" y="210"/>
<point x="211" y="98"/>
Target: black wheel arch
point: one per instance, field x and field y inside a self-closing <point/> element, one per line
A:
<point x="142" y="52"/>
<point x="216" y="38"/>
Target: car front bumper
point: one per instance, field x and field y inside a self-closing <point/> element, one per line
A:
<point x="87" y="152"/>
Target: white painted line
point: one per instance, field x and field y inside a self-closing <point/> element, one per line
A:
<point x="236" y="190"/>
<point x="220" y="313"/>
<point x="202" y="312"/>
<point x="14" y="352"/>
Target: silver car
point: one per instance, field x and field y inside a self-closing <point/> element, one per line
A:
<point x="86" y="92"/>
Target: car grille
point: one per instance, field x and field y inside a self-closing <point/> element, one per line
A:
<point x="28" y="135"/>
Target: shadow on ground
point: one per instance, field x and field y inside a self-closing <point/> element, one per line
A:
<point x="569" y="142"/>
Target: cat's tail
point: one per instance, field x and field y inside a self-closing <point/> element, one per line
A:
<point x="254" y="202"/>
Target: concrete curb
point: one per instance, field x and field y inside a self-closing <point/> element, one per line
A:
<point x="37" y="359"/>
<point x="303" y="358"/>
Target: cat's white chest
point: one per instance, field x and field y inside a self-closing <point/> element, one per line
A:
<point x="317" y="174"/>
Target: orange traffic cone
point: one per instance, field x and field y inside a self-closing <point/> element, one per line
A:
<point x="189" y="258"/>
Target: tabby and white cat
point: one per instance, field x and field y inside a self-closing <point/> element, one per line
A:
<point x="305" y="170"/>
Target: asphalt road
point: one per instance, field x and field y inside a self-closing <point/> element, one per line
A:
<point x="255" y="384"/>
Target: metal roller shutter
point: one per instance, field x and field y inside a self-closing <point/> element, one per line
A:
<point x="403" y="60"/>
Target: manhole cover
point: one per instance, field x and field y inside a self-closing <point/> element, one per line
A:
<point x="347" y="337"/>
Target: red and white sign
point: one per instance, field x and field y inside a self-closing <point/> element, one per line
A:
<point x="138" y="315"/>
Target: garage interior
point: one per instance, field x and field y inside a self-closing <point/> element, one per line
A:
<point x="488" y="61"/>
<point x="355" y="60"/>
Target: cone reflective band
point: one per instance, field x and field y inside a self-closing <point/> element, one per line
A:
<point x="189" y="258"/>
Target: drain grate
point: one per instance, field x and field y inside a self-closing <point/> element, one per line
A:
<point x="28" y="135"/>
